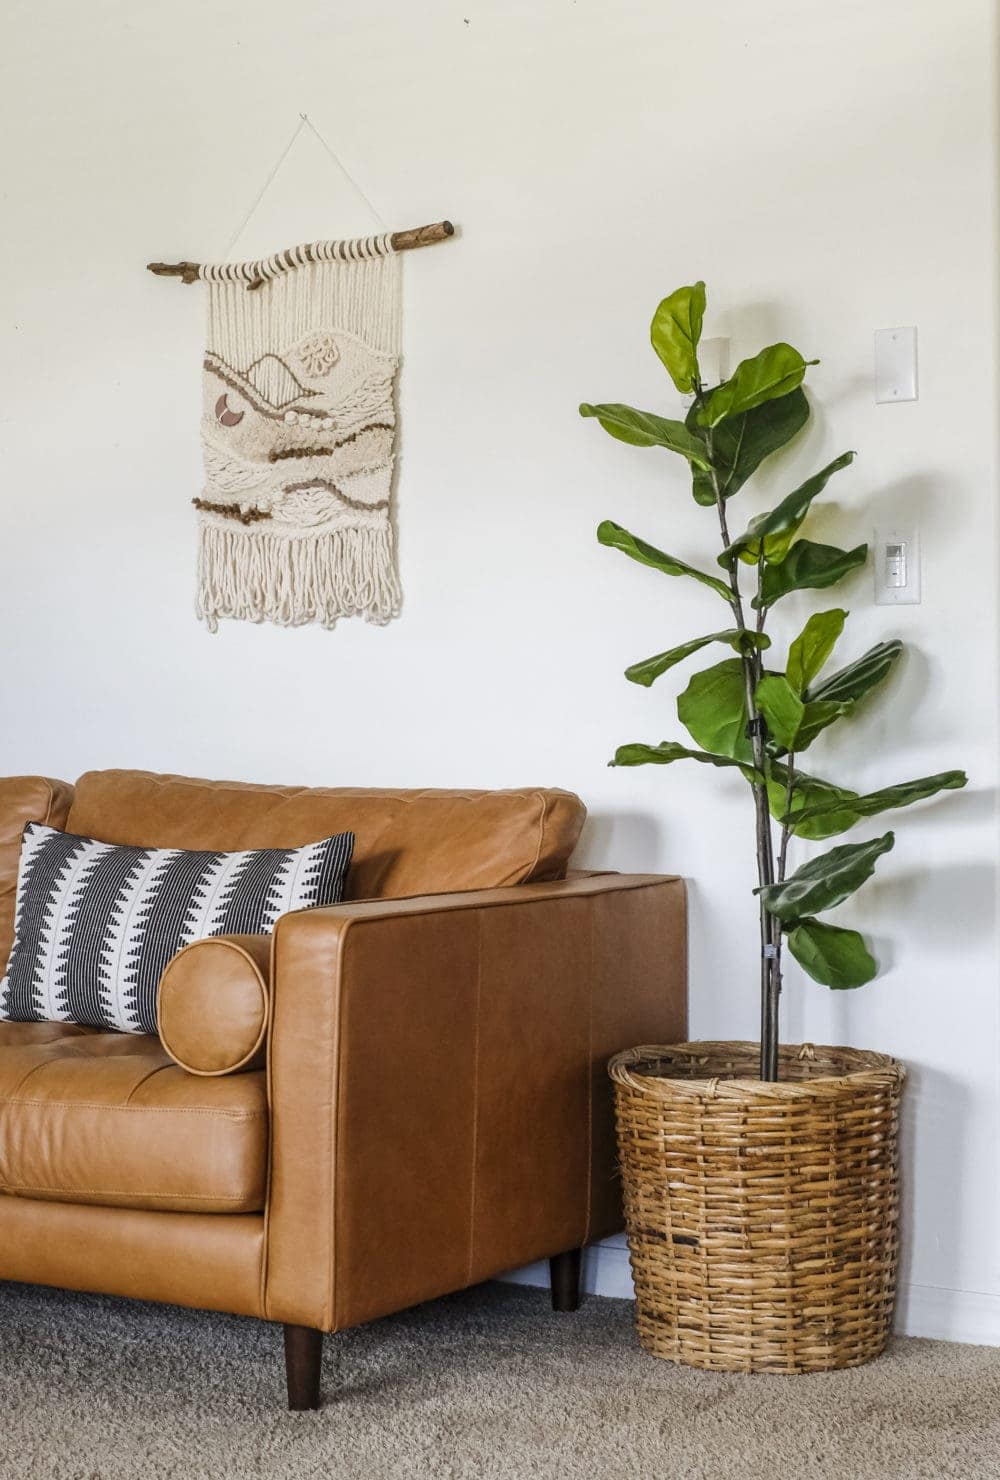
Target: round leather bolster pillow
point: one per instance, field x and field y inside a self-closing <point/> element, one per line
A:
<point x="214" y="1003"/>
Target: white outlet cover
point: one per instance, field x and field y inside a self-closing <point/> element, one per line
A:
<point x="895" y="365"/>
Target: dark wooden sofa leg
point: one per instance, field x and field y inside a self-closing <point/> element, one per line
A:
<point x="564" y="1277"/>
<point x="303" y="1356"/>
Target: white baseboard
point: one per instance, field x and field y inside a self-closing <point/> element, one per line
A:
<point x="971" y="1316"/>
<point x="949" y="1315"/>
<point x="605" y="1271"/>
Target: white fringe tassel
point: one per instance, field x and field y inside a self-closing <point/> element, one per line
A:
<point x="292" y="580"/>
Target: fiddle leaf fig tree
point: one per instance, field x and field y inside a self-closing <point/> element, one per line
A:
<point x="744" y="712"/>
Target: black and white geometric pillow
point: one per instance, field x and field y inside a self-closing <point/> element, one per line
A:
<point x="96" y="923"/>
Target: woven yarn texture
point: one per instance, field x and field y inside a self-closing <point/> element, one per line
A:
<point x="298" y="436"/>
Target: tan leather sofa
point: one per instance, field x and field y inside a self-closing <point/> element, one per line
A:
<point x="427" y="1105"/>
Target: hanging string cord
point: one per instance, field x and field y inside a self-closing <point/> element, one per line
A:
<point x="255" y="274"/>
<point x="265" y="187"/>
<point x="339" y="163"/>
<point x="305" y="122"/>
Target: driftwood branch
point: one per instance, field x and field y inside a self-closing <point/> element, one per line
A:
<point x="402" y="241"/>
<point x="422" y="236"/>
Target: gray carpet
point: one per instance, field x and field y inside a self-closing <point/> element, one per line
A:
<point x="487" y="1383"/>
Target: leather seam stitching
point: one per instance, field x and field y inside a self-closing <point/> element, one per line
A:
<point x="234" y="1065"/>
<point x="265" y="1254"/>
<point x="135" y="1109"/>
<point x="560" y="889"/>
<point x="475" y="1096"/>
<point x="127" y="1192"/>
<point x="35" y="1069"/>
<point x="51" y="801"/>
<point x="590" y="1084"/>
<point x="265" y="792"/>
<point x="151" y="1074"/>
<point x="336" y="1100"/>
<point x="543" y="804"/>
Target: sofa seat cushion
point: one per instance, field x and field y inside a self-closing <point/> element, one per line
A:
<point x="109" y="1119"/>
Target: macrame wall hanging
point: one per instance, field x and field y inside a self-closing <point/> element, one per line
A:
<point x="298" y="430"/>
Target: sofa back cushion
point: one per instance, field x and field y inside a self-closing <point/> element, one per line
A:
<point x="406" y="842"/>
<point x="23" y="799"/>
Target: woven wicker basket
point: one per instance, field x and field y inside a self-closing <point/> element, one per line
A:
<point x="762" y="1218"/>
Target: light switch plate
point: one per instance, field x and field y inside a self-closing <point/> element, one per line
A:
<point x="897" y="566"/>
<point x="895" y="365"/>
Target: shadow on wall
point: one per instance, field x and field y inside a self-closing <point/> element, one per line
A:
<point x="627" y="841"/>
<point x="964" y="902"/>
<point x="964" y="898"/>
<point x="935" y="1114"/>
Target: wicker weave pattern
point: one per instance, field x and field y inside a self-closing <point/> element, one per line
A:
<point x="762" y="1218"/>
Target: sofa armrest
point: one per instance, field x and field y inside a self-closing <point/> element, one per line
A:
<point x="440" y="1107"/>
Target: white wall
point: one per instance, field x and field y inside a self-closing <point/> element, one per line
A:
<point x="829" y="169"/>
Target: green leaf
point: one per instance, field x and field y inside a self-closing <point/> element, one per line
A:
<point x="739" y="639"/>
<point x="781" y="707"/>
<point x="813" y="646"/>
<point x="818" y="714"/>
<point x="807" y="791"/>
<point x="773" y="532"/>
<point x="825" y="882"/>
<point x="645" y="429"/>
<point x="822" y="820"/>
<point x="612" y="534"/>
<point x="772" y="373"/>
<point x="806" y="657"/>
<point x="858" y="678"/>
<point x="834" y="818"/>
<point x="837" y="958"/>
<point x="713" y="710"/>
<point x="740" y="445"/>
<point x="807" y="566"/>
<point x="675" y="332"/>
<point x="670" y="750"/>
<point x="791" y="724"/>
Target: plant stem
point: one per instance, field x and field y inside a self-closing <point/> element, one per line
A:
<point x="770" y="978"/>
<point x="770" y="924"/>
<point x="777" y="929"/>
<point x="785" y="831"/>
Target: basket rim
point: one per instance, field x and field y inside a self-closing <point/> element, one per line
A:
<point x="863" y="1069"/>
